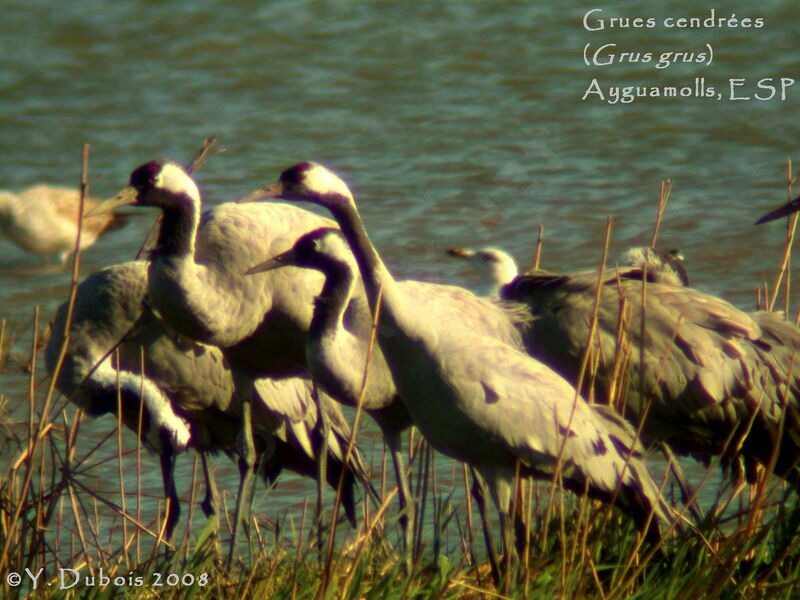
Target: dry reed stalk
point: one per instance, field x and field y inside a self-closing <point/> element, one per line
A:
<point x="470" y="523"/>
<point x="121" y="468"/>
<point x="437" y="507"/>
<point x="183" y="548"/>
<point x="33" y="441"/>
<point x="537" y="257"/>
<point x="251" y="576"/>
<point x="756" y="505"/>
<point x="582" y="528"/>
<point x="666" y="188"/>
<point x="3" y="355"/>
<point x="791" y="227"/>
<point x="322" y="463"/>
<point x="376" y="520"/>
<point x="366" y="513"/>
<point x="139" y="420"/>
<point x="260" y="538"/>
<point x="595" y="576"/>
<point x="686" y="490"/>
<point x="81" y="537"/>
<point x="376" y="310"/>
<point x="581" y="371"/>
<point x="526" y="552"/>
<point x="424" y="474"/>
<point x="715" y="555"/>
<point x="298" y="546"/>
<point x="32" y="377"/>
<point x="482" y="592"/>
<point x="161" y="523"/>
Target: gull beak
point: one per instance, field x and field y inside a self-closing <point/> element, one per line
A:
<point x="285" y="259"/>
<point x="784" y="211"/>
<point x="677" y="254"/>
<point x="125" y="197"/>
<point x="459" y="252"/>
<point x="273" y="190"/>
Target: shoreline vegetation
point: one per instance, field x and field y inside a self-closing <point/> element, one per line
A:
<point x="60" y="537"/>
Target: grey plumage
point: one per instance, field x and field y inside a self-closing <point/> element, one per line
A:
<point x="708" y="367"/>
<point x="188" y="389"/>
<point x="336" y="353"/>
<point x="196" y="283"/>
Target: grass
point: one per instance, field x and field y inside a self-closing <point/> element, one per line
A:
<point x="55" y="518"/>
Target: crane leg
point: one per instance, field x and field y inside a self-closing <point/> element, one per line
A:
<point x="322" y="466"/>
<point x="210" y="503"/>
<point x="688" y="494"/>
<point x="507" y="530"/>
<point x="247" y="461"/>
<point x="501" y="483"/>
<point x="407" y="516"/>
<point x="168" y="478"/>
<point x="479" y="494"/>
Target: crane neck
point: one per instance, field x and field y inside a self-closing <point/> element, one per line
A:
<point x="330" y="305"/>
<point x="375" y="275"/>
<point x="178" y="230"/>
<point x="160" y="422"/>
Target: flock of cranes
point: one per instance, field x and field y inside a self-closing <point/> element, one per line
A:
<point x="250" y="321"/>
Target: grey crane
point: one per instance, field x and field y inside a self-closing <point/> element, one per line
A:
<point x="196" y="284"/>
<point x="186" y="396"/>
<point x="336" y="359"/>
<point x="336" y="356"/>
<point x="477" y="399"/>
<point x="708" y="369"/>
<point x="43" y="220"/>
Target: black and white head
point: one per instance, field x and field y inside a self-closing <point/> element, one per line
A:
<point x="661" y="267"/>
<point x="306" y="181"/>
<point x="495" y="266"/>
<point x="160" y="183"/>
<point x="323" y="249"/>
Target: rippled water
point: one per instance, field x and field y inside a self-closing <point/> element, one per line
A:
<point x="455" y="123"/>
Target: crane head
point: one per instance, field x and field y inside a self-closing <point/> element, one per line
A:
<point x="160" y="183"/>
<point x="322" y="249"/>
<point x="306" y="181"/>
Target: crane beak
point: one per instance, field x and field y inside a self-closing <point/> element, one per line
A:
<point x="125" y="197"/>
<point x="273" y="190"/>
<point x="460" y="252"/>
<point x="285" y="259"/>
<point x="784" y="211"/>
